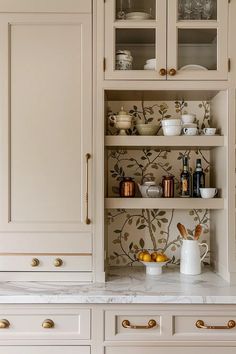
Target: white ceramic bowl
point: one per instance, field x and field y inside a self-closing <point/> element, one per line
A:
<point x="147" y="129"/>
<point x="154" y="268"/>
<point x="189" y="125"/>
<point x="149" y="67"/>
<point x="172" y="130"/>
<point x="208" y="193"/>
<point x="138" y="16"/>
<point x="172" y="122"/>
<point x="188" y="118"/>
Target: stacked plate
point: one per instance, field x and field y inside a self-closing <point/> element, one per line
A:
<point x="172" y="127"/>
<point x="150" y="64"/>
<point x="138" y="15"/>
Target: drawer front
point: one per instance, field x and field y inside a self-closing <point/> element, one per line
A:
<point x="45" y="324"/>
<point x="124" y="325"/>
<point x="45" y="350"/>
<point x="170" y="350"/>
<point x="46" y="263"/>
<point x="193" y="325"/>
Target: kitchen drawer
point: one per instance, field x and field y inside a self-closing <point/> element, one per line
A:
<point x="115" y="326"/>
<point x="46" y="263"/>
<point x="30" y="323"/>
<point x="45" y="350"/>
<point x="170" y="350"/>
<point x="185" y="326"/>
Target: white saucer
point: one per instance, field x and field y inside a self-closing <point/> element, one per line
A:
<point x="138" y="16"/>
<point x="193" y="67"/>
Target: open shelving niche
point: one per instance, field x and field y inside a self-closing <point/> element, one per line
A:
<point x="126" y="230"/>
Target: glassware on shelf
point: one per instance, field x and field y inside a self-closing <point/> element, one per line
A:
<point x="197" y="9"/>
<point x="120" y="15"/>
<point x="208" y="9"/>
<point x="133" y="10"/>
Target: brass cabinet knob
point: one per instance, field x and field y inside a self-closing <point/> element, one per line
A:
<point x="172" y="72"/>
<point x="4" y="323"/>
<point x="162" y="72"/>
<point x="48" y="323"/>
<point x="58" y="262"/>
<point x="35" y="262"/>
<point x="127" y="324"/>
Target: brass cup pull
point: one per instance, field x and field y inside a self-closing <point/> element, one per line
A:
<point x="4" y="324"/>
<point x="58" y="262"/>
<point x="200" y="324"/>
<point x="172" y="72"/>
<point x="162" y="72"/>
<point x="127" y="324"/>
<point x="87" y="220"/>
<point x="35" y="262"/>
<point x="48" y="323"/>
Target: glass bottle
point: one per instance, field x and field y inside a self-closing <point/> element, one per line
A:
<point x="198" y="179"/>
<point x="185" y="180"/>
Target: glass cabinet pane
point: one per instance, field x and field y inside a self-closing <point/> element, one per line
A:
<point x="197" y="49"/>
<point x="197" y="9"/>
<point x="135" y="9"/>
<point x="135" y="49"/>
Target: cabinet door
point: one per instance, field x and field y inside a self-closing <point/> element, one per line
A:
<point x="170" y="350"/>
<point x="45" y="350"/>
<point x="45" y="100"/>
<point x="197" y="40"/>
<point x="135" y="39"/>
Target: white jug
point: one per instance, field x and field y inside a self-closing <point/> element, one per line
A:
<point x="190" y="259"/>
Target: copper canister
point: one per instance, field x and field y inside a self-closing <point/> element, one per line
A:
<point x="127" y="187"/>
<point x="168" y="186"/>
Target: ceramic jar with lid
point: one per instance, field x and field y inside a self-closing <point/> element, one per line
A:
<point x="124" y="60"/>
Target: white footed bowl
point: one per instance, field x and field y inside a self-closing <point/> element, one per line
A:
<point x="154" y="268"/>
<point x="172" y="130"/>
<point x="167" y="122"/>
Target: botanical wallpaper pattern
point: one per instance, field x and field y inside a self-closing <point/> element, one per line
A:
<point x="130" y="231"/>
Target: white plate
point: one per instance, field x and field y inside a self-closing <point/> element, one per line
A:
<point x="193" y="67"/>
<point x="138" y="16"/>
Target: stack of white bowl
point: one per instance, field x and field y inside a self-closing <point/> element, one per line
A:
<point x="171" y="127"/>
<point x="150" y="64"/>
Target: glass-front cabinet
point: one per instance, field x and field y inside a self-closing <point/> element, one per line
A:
<point x="166" y="39"/>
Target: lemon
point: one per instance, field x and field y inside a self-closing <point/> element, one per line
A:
<point x="147" y="258"/>
<point x="161" y="258"/>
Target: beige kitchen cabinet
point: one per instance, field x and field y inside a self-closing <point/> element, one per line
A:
<point x="46" y="350"/>
<point x="170" y="350"/>
<point x="188" y="43"/>
<point x="46" y="139"/>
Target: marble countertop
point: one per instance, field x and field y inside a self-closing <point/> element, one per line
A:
<point x="127" y="285"/>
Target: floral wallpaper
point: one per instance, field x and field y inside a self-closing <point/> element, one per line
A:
<point x="130" y="231"/>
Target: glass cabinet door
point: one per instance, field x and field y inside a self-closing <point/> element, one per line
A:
<point x="135" y="39"/>
<point x="197" y="40"/>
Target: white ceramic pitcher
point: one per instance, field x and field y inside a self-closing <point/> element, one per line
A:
<point x="190" y="259"/>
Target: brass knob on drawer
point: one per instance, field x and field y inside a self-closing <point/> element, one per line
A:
<point x="4" y="323"/>
<point x="172" y="72"/>
<point x="35" y="262"/>
<point x="58" y="262"/>
<point x="201" y="325"/>
<point x="127" y="324"/>
<point x="162" y="72"/>
<point x="48" y="323"/>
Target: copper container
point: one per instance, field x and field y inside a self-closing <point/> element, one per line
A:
<point x="127" y="187"/>
<point x="168" y="186"/>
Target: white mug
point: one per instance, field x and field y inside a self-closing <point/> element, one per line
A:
<point x="209" y="131"/>
<point x="190" y="131"/>
<point x="208" y="193"/>
<point x="190" y="259"/>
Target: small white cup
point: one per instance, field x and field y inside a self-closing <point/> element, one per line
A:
<point x="188" y="118"/>
<point x="190" y="131"/>
<point x="208" y="193"/>
<point x="209" y="131"/>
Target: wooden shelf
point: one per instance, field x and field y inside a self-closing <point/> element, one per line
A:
<point x="174" y="142"/>
<point x="164" y="203"/>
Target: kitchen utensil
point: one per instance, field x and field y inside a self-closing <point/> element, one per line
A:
<point x="168" y="186"/>
<point x="190" y="258"/>
<point x="182" y="230"/>
<point x="147" y="129"/>
<point x="122" y="120"/>
<point x="208" y="193"/>
<point x="150" y="190"/>
<point x="154" y="268"/>
<point x="197" y="232"/>
<point x="172" y="130"/>
<point x="209" y="131"/>
<point x="188" y="118"/>
<point x="127" y="187"/>
<point x="190" y="131"/>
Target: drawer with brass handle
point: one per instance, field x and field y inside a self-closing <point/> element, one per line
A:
<point x="37" y="323"/>
<point x="132" y="325"/>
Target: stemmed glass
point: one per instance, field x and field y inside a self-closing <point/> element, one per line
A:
<point x="207" y="9"/>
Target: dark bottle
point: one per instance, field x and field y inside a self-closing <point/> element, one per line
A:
<point x="198" y="179"/>
<point x="185" y="180"/>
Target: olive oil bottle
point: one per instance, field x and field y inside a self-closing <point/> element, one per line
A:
<point x="185" y="180"/>
<point x="198" y="179"/>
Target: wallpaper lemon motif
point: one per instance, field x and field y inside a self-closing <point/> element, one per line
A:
<point x="130" y="231"/>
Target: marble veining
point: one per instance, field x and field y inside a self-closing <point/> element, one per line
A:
<point x="126" y="285"/>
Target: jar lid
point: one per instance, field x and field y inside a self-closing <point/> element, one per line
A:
<point x="150" y="183"/>
<point x="168" y="177"/>
<point x="122" y="112"/>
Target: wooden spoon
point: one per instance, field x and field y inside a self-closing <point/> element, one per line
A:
<point x="198" y="232"/>
<point x="182" y="230"/>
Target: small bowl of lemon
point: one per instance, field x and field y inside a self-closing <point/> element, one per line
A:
<point x="153" y="262"/>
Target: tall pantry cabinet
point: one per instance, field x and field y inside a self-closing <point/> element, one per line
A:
<point x="46" y="225"/>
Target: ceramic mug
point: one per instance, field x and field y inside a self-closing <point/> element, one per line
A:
<point x="208" y="193"/>
<point x="209" y="131"/>
<point x="190" y="131"/>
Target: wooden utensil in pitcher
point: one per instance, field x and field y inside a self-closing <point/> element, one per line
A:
<point x="182" y="230"/>
<point x="198" y="232"/>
